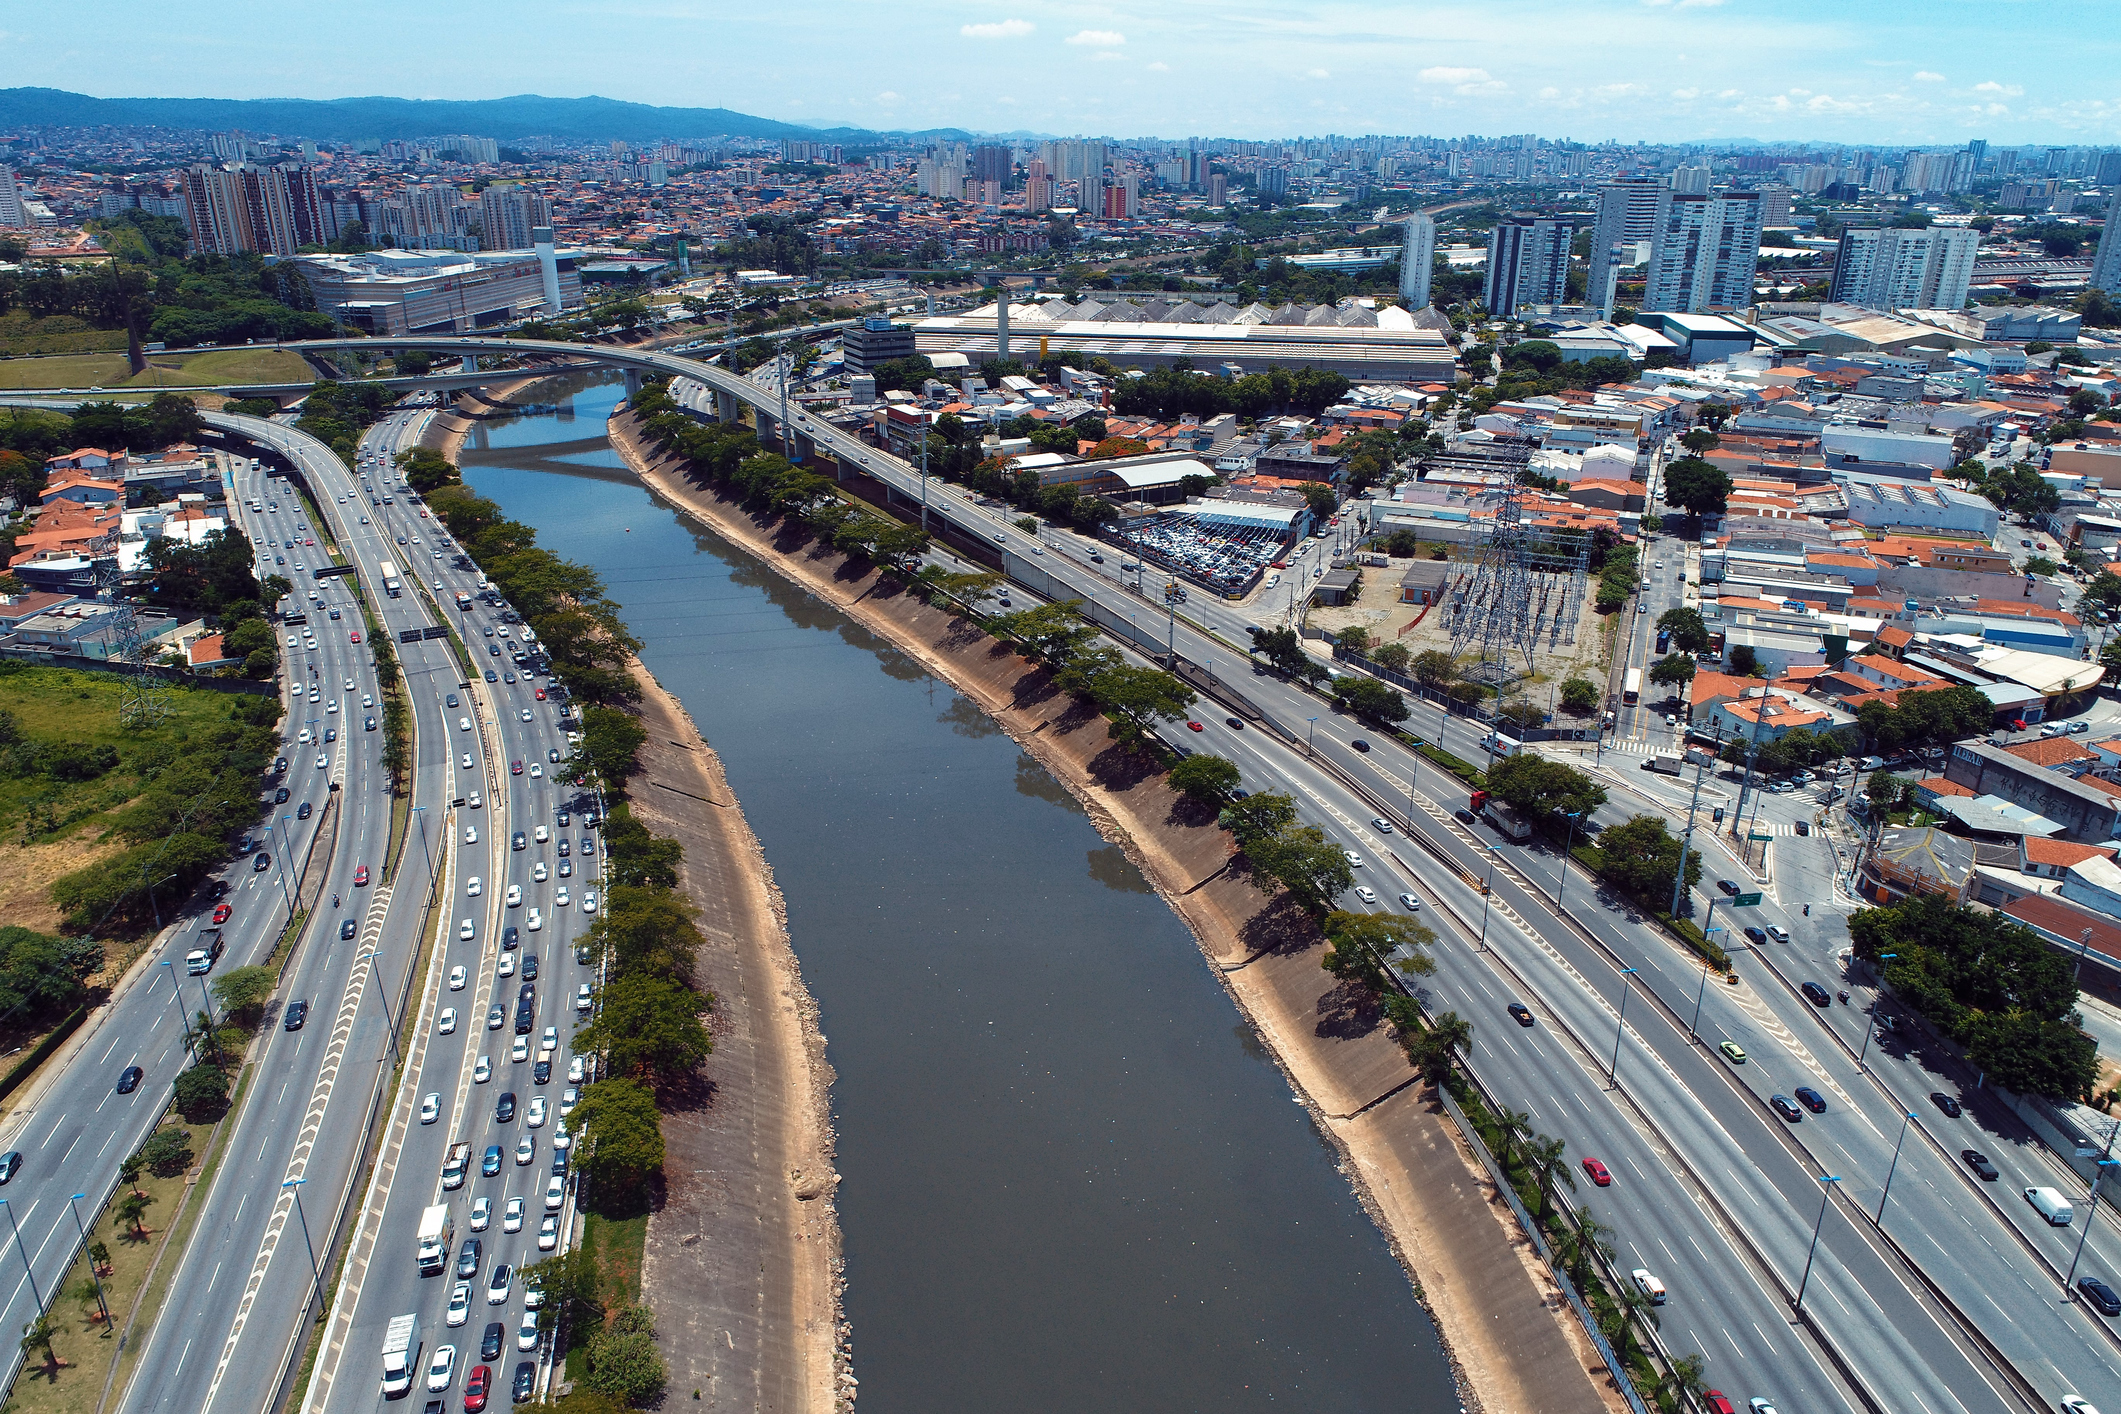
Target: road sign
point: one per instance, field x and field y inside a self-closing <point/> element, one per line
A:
<point x="1760" y="835"/>
<point x="1746" y="901"/>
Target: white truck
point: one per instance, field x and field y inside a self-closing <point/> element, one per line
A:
<point x="390" y="579"/>
<point x="435" y="1233"/>
<point x="401" y="1356"/>
<point x="201" y="959"/>
<point x="1512" y="825"/>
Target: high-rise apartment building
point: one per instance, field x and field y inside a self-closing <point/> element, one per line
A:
<point x="1627" y="216"/>
<point x="507" y="216"/>
<point x="1694" y="181"/>
<point x="1774" y="206"/>
<point x="1901" y="268"/>
<point x="993" y="164"/>
<point x="1706" y="250"/>
<point x="2108" y="171"/>
<point x="1528" y="264"/>
<point x="1218" y="189"/>
<point x="2106" y="265"/>
<point x="273" y="210"/>
<point x="1074" y="160"/>
<point x="11" y="212"/>
<point x="1417" y="259"/>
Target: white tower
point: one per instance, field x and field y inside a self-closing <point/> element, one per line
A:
<point x="549" y="267"/>
<point x="1416" y="260"/>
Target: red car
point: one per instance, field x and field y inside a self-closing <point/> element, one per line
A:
<point x="360" y="875"/>
<point x="541" y="694"/>
<point x="515" y="768"/>
<point x="1716" y="1403"/>
<point x="354" y="637"/>
<point x="309" y="542"/>
<point x="1194" y="727"/>
<point x="475" y="1386"/>
<point x="221" y="912"/>
<point x="1600" y="1174"/>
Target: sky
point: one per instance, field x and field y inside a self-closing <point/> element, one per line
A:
<point x="1886" y="72"/>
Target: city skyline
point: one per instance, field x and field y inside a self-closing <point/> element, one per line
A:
<point x="1628" y="70"/>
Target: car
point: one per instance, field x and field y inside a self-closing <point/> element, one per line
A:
<point x="515" y="768"/>
<point x="458" y="977"/>
<point x="492" y="1340"/>
<point x="555" y="1193"/>
<point x="446" y="1022"/>
<point x="560" y="897"/>
<point x="1786" y="1107"/>
<point x="495" y="1015"/>
<point x="1359" y="744"/>
<point x="2100" y="1296"/>
<point x="1648" y="1285"/>
<point x="476" y="1385"/>
<point x="542" y="834"/>
<point x="576" y="1067"/>
<point x="567" y="1102"/>
<point x="1195" y="727"/>
<point x="583" y="999"/>
<point x="537" y="772"/>
<point x="475" y="802"/>
<point x="1729" y="886"/>
<point x="519" y="1050"/>
<point x="459" y="1304"/>
<point x="1716" y="1402"/>
<point x="360" y="876"/>
<point x="539" y="873"/>
<point x="1600" y="1174"/>
<point x="1816" y="994"/>
<point x="534" y="1114"/>
<point x="1760" y="1406"/>
<point x="1811" y="1099"/>
<point x="541" y="1071"/>
<point x="2077" y="1404"/>
<point x="1365" y="893"/>
<point x="491" y="676"/>
<point x="565" y="868"/>
<point x="441" y="1368"/>
<point x="297" y="1013"/>
<point x="1354" y="859"/>
<point x="1781" y="935"/>
<point x="463" y="724"/>
<point x="1978" y="1162"/>
<point x="322" y="761"/>
<point x="1520" y="1013"/>
<point x="471" y="834"/>
<point x="550" y="1041"/>
<point x="535" y="921"/>
<point x="500" y="1284"/>
<point x="465" y="931"/>
<point x="464" y="762"/>
<point x="490" y="1162"/>
<point x="1757" y="935"/>
<point x="514" y="896"/>
<point x="509" y="938"/>
<point x="561" y="1139"/>
<point x="552" y="756"/>
<point x="1946" y="1103"/>
<point x="526" y="710"/>
<point x="473" y="886"/>
<point x="518" y="842"/>
<point x="589" y="900"/>
<point x="1732" y="1052"/>
<point x="129" y="1079"/>
<point x="526" y="1380"/>
<point x="504" y="1107"/>
<point x="221" y="912"/>
<point x="261" y="861"/>
<point x="548" y="1232"/>
<point x="507" y="966"/>
<point x="481" y="1213"/>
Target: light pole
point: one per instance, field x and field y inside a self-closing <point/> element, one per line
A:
<point x="383" y="996"/>
<point x="1872" y="1025"/>
<point x="1310" y="735"/>
<point x="1826" y="1191"/>
<point x="280" y="866"/>
<point x="1905" y="1121"/>
<point x="2084" y="942"/>
<point x="316" y="1277"/>
<point x="1487" y="897"/>
<point x="101" y="1304"/>
<point x="1679" y="879"/>
<point x="2091" y="1211"/>
<point x="1561" y="881"/>
<point x="1612" y="1072"/>
<point x="23" y="1253"/>
<point x="177" y="994"/>
<point x="1693" y="1030"/>
<point x="419" y="812"/>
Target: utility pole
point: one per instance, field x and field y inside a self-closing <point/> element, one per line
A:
<point x="1679" y="882"/>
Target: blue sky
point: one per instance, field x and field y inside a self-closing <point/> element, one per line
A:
<point x="1859" y="71"/>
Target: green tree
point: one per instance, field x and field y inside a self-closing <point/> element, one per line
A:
<point x="1206" y="778"/>
<point x="1435" y="1051"/>
<point x="1541" y="788"/>
<point x="1687" y="629"/>
<point x="1699" y="486"/>
<point x="1301" y="859"/>
<point x="1434" y="668"/>
<point x="1360" y="946"/>
<point x="649" y="1028"/>
<point x="1677" y="670"/>
<point x="37" y="1335"/>
<point x="244" y="990"/>
<point x="1140" y="697"/>
<point x="201" y="1092"/>
<point x="622" y="1360"/>
<point x="132" y="1211"/>
<point x="611" y="741"/>
<point x="1579" y="695"/>
<point x="1393" y="657"/>
<point x="1642" y="856"/>
<point x="621" y="1133"/>
<point x="1745" y="662"/>
<point x="1284" y="649"/>
<point x="1259" y="816"/>
<point x="166" y="1153"/>
<point x="1370" y="699"/>
<point x="1354" y="639"/>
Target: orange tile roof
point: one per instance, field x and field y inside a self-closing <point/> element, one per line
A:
<point x="1893" y="636"/>
<point x="2062" y="853"/>
<point x="2049" y="751"/>
<point x="1938" y="785"/>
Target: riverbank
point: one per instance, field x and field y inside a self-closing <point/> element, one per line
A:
<point x="1503" y="1322"/>
<point x="742" y="1266"/>
<point x="446" y="434"/>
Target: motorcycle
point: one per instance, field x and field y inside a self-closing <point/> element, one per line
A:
<point x="335" y="904"/>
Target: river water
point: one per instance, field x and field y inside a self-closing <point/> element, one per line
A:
<point x="1072" y="1178"/>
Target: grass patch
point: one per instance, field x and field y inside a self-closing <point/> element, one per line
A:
<point x="81" y="370"/>
<point x="618" y="1245"/>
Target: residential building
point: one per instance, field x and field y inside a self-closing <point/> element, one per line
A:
<point x="271" y="210"/>
<point x="11" y="212"/>
<point x="1528" y="264"/>
<point x="507" y="216"/>
<point x="1627" y="216"/>
<point x="2106" y="265"/>
<point x="1707" y="249"/>
<point x="1903" y="268"/>
<point x="1417" y="260"/>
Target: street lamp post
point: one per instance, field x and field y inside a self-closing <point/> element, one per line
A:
<point x="2091" y="1211"/>
<point x="23" y="1252"/>
<point x="1905" y="1121"/>
<point x="419" y="813"/>
<point x="1693" y="1030"/>
<point x="1826" y="1190"/>
<point x="1310" y="735"/>
<point x="1561" y="880"/>
<point x="316" y="1277"/>
<point x="280" y="866"/>
<point x="1487" y="899"/>
<point x="2084" y="942"/>
<point x="1871" y="1026"/>
<point x="383" y="996"/>
<point x="177" y="994"/>
<point x="1612" y="1072"/>
<point x="101" y="1305"/>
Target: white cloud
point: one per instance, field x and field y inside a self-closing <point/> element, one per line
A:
<point x="1446" y="74"/>
<point x="1108" y="55"/>
<point x="1159" y="67"/>
<point x="1318" y="73"/>
<point x="999" y="29"/>
<point x="1925" y="76"/>
<point x="1686" y="93"/>
<point x="2007" y="90"/>
<point x="1100" y="38"/>
<point x="887" y="96"/>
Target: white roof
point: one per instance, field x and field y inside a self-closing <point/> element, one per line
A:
<point x="1249" y="512"/>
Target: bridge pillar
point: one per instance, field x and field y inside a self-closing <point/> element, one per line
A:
<point x="633" y="381"/>
<point x="725" y="406"/>
<point x="470" y="364"/>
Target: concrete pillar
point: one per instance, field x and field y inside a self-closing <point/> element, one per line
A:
<point x="633" y="381"/>
<point x="725" y="405"/>
<point x="470" y="363"/>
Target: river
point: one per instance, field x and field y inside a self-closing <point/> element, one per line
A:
<point x="1072" y="1178"/>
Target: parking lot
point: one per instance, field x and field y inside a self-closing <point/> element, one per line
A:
<point x="1227" y="556"/>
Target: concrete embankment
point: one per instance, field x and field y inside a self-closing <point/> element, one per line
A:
<point x="1502" y="1319"/>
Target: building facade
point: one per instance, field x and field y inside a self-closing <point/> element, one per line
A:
<point x="1705" y="253"/>
<point x="1900" y="268"/>
<point x="270" y="210"/>
<point x="1528" y="264"/>
<point x="1417" y="260"/>
<point x="1627" y="215"/>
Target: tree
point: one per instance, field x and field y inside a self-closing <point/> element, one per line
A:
<point x="610" y="742"/>
<point x="1744" y="661"/>
<point x="1301" y="859"/>
<point x="621" y="1134"/>
<point x="1353" y="639"/>
<point x="1677" y="670"/>
<point x="37" y="1335"/>
<point x="1683" y="1381"/>
<point x="245" y="989"/>
<point x="1393" y="657"/>
<point x="201" y="1092"/>
<point x="132" y="1211"/>
<point x="1540" y="788"/>
<point x="1259" y="816"/>
<point x="1436" y="1050"/>
<point x="649" y="1028"/>
<point x="1549" y="1160"/>
<point x="1370" y="699"/>
<point x="1642" y="856"/>
<point x="1285" y="651"/>
<point x="1579" y="695"/>
<point x="1140" y="697"/>
<point x="622" y="1359"/>
<point x="1432" y="667"/>
<point x="1361" y="945"/>
<point x="1699" y="486"/>
<point x="166" y="1153"/>
<point x="1206" y="778"/>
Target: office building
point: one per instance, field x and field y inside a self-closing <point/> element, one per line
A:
<point x="271" y="210"/>
<point x="1694" y="181"/>
<point x="507" y="216"/>
<point x="1528" y="264"/>
<point x="1898" y="268"/>
<point x="992" y="164"/>
<point x="1627" y="216"/>
<point x="11" y="212"/>
<point x="2106" y="265"/>
<point x="1706" y="250"/>
<point x="1416" y="261"/>
<point x="875" y="342"/>
<point x="441" y="291"/>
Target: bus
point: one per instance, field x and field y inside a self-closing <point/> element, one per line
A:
<point x="1632" y="693"/>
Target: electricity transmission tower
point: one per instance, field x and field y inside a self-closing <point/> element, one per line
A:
<point x="143" y="698"/>
<point x="1527" y="585"/>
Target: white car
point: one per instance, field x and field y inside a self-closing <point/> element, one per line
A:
<point x="515" y="895"/>
<point x="520" y="1050"/>
<point x="482" y="1070"/>
<point x="526" y="714"/>
<point x="574" y="1070"/>
<point x="481" y="1213"/>
<point x="446" y="1022"/>
<point x="441" y="1368"/>
<point x="459" y="1311"/>
<point x="430" y="1107"/>
<point x="471" y="834"/>
<point x="560" y="897"/>
<point x="507" y="965"/>
<point x="526" y="1148"/>
<point x="583" y="1000"/>
<point x="561" y="1138"/>
<point x="589" y="900"/>
<point x="567" y="1101"/>
<point x="550" y="1041"/>
<point x="475" y="802"/>
<point x="534" y="1116"/>
<point x="457" y="975"/>
<point x="512" y="1216"/>
<point x="1365" y="893"/>
<point x="539" y="873"/>
<point x="367" y="700"/>
<point x="535" y="921"/>
<point x="537" y="772"/>
<point x="548" y="1232"/>
<point x="1354" y="859"/>
<point x="555" y="1193"/>
<point x="1410" y="903"/>
<point x="499" y="1283"/>
<point x="541" y="834"/>
<point x="463" y="724"/>
<point x="465" y="931"/>
<point x="464" y="762"/>
<point x="323" y="761"/>
<point x="473" y="887"/>
<point x="332" y="705"/>
<point x="527" y="1332"/>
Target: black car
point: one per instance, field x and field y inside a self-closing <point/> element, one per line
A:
<point x="508" y="938"/>
<point x="129" y="1079"/>
<point x="1811" y="1099"/>
<point x="279" y="765"/>
<point x="347" y="928"/>
<point x="368" y="724"/>
<point x="260" y="862"/>
<point x="1945" y="1102"/>
<point x="541" y="1073"/>
<point x="1521" y="1013"/>
<point x="218" y="889"/>
<point x="1786" y="1107"/>
<point x="490" y="1342"/>
<point x="279" y="797"/>
<point x="526" y="1382"/>
<point x="504" y="1108"/>
<point x="1978" y="1162"/>
<point x="1359" y="744"/>
<point x="491" y="676"/>
<point x="1758" y="935"/>
<point x="491" y="1164"/>
<point x="451" y="699"/>
<point x="1465" y="816"/>
<point x="297" y="1013"/>
<point x="468" y="1259"/>
<point x="1815" y="994"/>
<point x="520" y="841"/>
<point x="302" y="811"/>
<point x="2100" y="1295"/>
<point x="561" y="819"/>
<point x="9" y="1163"/>
<point x="530" y="967"/>
<point x="1729" y="886"/>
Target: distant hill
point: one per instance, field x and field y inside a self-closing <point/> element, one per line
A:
<point x="343" y="119"/>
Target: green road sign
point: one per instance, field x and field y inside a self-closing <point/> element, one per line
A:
<point x="1757" y="835"/>
<point x="1746" y="901"/>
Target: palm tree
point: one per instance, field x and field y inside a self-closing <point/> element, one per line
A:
<point x="1511" y="1123"/>
<point x="131" y="1209"/>
<point x="37" y="1335"/>
<point x="1547" y="1157"/>
<point x="1680" y="1383"/>
<point x="1586" y="1247"/>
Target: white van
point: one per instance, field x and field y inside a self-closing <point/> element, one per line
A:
<point x="1651" y="1287"/>
<point x="2050" y="1204"/>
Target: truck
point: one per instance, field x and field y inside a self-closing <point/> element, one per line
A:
<point x="401" y="1356"/>
<point x="1664" y="765"/>
<point x="201" y="959"/>
<point x="456" y="1165"/>
<point x="436" y="1230"/>
<point x="1508" y="822"/>
<point x="463" y="601"/>
<point x="390" y="579"/>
